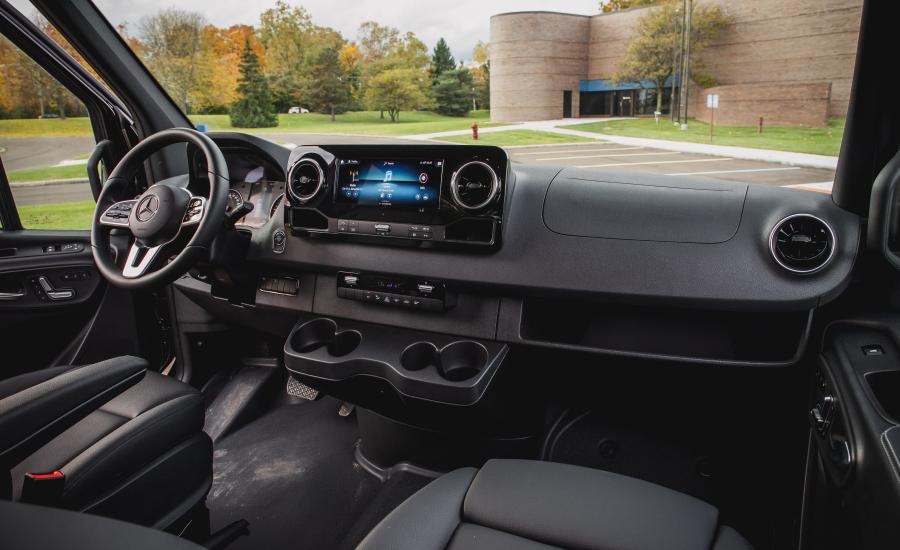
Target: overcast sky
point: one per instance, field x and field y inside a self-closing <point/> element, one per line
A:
<point x="461" y="22"/>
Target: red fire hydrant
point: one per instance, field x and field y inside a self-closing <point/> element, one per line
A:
<point x="475" y="130"/>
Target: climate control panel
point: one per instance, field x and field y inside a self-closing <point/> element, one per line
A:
<point x="428" y="295"/>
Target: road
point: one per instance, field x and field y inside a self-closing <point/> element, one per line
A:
<point x="600" y="155"/>
<point x="37" y="152"/>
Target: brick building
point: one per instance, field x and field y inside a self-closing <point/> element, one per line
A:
<point x="788" y="61"/>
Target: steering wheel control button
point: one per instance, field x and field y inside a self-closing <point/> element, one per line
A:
<point x="194" y="211"/>
<point x="279" y="241"/>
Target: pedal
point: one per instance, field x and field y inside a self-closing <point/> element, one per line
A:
<point x="346" y="409"/>
<point x="296" y="388"/>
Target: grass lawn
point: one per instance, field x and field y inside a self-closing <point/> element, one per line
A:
<point x="48" y="173"/>
<point x="818" y="141"/>
<point x="68" y="215"/>
<point x="45" y="127"/>
<point x="516" y="137"/>
<point x="357" y="122"/>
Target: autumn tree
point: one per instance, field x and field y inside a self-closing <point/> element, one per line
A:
<point x="441" y="60"/>
<point x="648" y="56"/>
<point x="396" y="90"/>
<point x="454" y="91"/>
<point x="376" y="41"/>
<point x="404" y="53"/>
<point x="173" y="47"/>
<point x="607" y="6"/>
<point x="253" y="109"/>
<point x="329" y="87"/>
<point x="482" y="75"/>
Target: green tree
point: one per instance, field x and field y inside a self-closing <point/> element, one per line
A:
<point x="454" y="92"/>
<point x="292" y="44"/>
<point x="441" y="60"/>
<point x="254" y="108"/>
<point x="607" y="6"/>
<point x="329" y="88"/>
<point x="396" y="90"/>
<point x="649" y="54"/>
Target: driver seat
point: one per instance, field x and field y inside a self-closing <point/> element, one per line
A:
<point x="141" y="456"/>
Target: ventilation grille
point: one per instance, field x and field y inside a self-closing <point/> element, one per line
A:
<point x="474" y="185"/>
<point x="802" y="243"/>
<point x="305" y="178"/>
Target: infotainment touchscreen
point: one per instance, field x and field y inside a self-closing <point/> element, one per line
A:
<point x="390" y="183"/>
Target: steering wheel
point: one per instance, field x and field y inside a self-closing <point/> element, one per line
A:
<point x="161" y="218"/>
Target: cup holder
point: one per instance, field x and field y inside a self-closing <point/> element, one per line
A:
<point x="324" y="333"/>
<point x="456" y="362"/>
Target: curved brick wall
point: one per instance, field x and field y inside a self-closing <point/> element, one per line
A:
<point x="534" y="57"/>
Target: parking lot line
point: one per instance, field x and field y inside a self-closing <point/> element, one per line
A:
<point x="723" y="159"/>
<point x="516" y="153"/>
<point x="612" y="155"/>
<point x="735" y="171"/>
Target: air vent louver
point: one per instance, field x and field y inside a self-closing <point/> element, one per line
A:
<point x="305" y="178"/>
<point x="474" y="185"/>
<point x="802" y="243"/>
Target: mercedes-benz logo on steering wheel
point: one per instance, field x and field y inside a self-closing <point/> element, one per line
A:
<point x="147" y="208"/>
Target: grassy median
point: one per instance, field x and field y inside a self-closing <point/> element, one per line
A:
<point x="817" y="141"/>
<point x="517" y="137"/>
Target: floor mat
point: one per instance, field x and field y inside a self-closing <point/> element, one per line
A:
<point x="291" y="473"/>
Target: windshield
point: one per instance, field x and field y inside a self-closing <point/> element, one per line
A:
<point x="747" y="91"/>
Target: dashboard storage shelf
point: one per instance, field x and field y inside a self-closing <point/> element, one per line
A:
<point x="663" y="332"/>
<point x="418" y="365"/>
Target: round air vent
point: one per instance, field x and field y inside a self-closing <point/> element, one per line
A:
<point x="305" y="179"/>
<point x="474" y="185"/>
<point x="802" y="243"/>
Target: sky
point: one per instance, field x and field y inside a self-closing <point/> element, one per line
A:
<point x="461" y="22"/>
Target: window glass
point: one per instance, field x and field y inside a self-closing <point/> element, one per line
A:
<point x="45" y="140"/>
<point x="759" y="87"/>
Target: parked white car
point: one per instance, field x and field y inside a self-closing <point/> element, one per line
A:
<point x="298" y="111"/>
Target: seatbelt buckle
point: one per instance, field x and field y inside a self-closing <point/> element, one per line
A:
<point x="43" y="489"/>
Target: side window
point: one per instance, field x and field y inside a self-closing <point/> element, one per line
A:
<point x="45" y="141"/>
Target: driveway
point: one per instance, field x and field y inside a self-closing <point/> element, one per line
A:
<point x="38" y="152"/>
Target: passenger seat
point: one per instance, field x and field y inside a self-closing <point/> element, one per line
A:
<point x="530" y="505"/>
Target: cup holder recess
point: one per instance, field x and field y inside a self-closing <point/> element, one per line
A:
<point x="454" y="362"/>
<point x="324" y="333"/>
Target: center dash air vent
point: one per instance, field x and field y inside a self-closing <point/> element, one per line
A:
<point x="305" y="179"/>
<point x="802" y="243"/>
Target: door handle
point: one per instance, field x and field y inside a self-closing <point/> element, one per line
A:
<point x="9" y="296"/>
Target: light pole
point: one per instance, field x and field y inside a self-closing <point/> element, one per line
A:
<point x="686" y="76"/>
<point x="674" y="105"/>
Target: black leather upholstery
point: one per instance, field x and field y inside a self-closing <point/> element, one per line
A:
<point x="521" y="504"/>
<point x="25" y="527"/>
<point x="141" y="457"/>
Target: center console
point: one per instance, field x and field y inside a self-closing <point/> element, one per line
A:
<point x="421" y="195"/>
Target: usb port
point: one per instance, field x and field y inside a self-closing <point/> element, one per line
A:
<point x="425" y="288"/>
<point x="351" y="279"/>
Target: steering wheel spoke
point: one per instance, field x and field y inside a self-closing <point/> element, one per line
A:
<point x="117" y="214"/>
<point x="140" y="259"/>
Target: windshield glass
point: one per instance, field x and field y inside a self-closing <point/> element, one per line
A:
<point x="747" y="91"/>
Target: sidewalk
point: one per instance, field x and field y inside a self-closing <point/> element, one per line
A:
<point x="745" y="153"/>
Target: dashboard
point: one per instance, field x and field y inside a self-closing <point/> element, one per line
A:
<point x="458" y="240"/>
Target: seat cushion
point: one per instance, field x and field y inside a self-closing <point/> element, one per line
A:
<point x="525" y="504"/>
<point x="106" y="448"/>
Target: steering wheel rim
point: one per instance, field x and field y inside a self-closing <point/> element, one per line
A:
<point x="169" y="204"/>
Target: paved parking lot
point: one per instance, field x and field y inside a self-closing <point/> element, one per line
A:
<point x="614" y="156"/>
